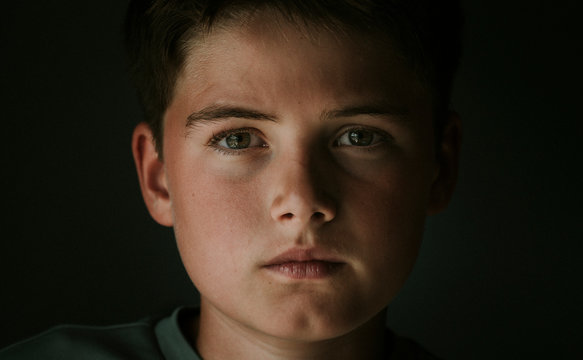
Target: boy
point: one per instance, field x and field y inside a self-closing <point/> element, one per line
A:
<point x="296" y="148"/>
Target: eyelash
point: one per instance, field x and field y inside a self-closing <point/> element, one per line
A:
<point x="383" y="135"/>
<point x="218" y="137"/>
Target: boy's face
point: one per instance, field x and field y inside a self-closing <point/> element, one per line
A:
<point x="297" y="174"/>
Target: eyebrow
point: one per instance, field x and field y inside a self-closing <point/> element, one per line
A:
<point x="218" y="112"/>
<point x="374" y="110"/>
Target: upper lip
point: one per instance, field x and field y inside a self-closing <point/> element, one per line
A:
<point x="300" y="255"/>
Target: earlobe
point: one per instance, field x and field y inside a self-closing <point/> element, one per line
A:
<point x="151" y="174"/>
<point x="448" y="159"/>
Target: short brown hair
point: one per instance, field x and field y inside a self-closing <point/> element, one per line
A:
<point x="158" y="31"/>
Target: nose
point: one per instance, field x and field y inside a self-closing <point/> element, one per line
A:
<point x="300" y="198"/>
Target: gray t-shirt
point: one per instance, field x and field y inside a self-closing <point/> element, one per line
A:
<point x="146" y="339"/>
<point x="160" y="339"/>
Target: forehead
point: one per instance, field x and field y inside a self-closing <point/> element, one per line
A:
<point x="265" y="59"/>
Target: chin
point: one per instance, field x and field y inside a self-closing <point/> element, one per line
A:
<point x="314" y="326"/>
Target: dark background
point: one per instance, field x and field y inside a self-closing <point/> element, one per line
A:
<point x="498" y="276"/>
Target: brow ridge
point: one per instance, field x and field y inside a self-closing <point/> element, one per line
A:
<point x="214" y="113"/>
<point x="219" y="112"/>
<point x="382" y="110"/>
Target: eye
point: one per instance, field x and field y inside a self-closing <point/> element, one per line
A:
<point x="236" y="141"/>
<point x="361" y="137"/>
<point x="239" y="139"/>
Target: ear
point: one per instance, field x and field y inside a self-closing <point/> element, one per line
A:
<point x="152" y="175"/>
<point x="447" y="158"/>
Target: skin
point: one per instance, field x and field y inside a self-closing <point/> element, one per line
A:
<point x="299" y="184"/>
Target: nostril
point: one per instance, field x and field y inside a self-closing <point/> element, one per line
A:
<point x="287" y="216"/>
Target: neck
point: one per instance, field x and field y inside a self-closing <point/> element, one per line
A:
<point x="216" y="337"/>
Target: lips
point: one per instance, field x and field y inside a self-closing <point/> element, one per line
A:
<point x="305" y="264"/>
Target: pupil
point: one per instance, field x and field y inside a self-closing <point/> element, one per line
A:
<point x="360" y="137"/>
<point x="238" y="141"/>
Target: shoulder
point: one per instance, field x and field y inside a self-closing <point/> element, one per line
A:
<point x="130" y="341"/>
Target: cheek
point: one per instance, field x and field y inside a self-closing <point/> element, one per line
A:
<point x="388" y="220"/>
<point x="213" y="221"/>
<point x="390" y="197"/>
<point x="391" y="226"/>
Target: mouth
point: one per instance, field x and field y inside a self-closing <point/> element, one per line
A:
<point x="304" y="264"/>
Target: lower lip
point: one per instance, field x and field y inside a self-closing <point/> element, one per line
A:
<point x="306" y="269"/>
